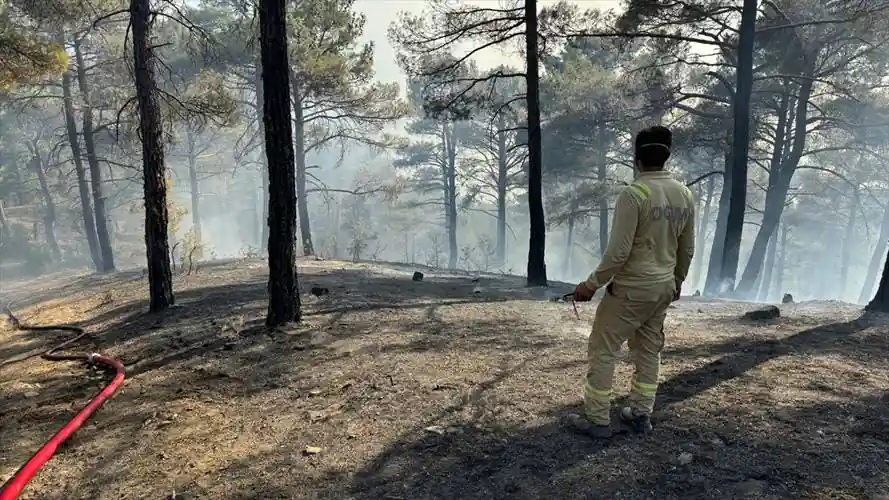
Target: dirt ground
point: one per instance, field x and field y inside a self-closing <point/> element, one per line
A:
<point x="393" y="389"/>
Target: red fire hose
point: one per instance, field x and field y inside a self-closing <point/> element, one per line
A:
<point x="14" y="486"/>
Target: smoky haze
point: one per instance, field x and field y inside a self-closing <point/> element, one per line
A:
<point x="398" y="164"/>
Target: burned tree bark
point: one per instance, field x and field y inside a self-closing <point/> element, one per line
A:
<point x="160" y="279"/>
<point x="536" y="271"/>
<point x="86" y="206"/>
<point x="96" y="169"/>
<point x="734" y="227"/>
<point x="284" y="302"/>
<point x="880" y="302"/>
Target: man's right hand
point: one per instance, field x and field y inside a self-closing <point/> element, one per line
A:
<point x="677" y="293"/>
<point x="582" y="293"/>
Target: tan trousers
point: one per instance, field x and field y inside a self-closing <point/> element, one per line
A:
<point x="637" y="316"/>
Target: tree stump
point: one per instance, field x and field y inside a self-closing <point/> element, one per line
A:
<point x="768" y="312"/>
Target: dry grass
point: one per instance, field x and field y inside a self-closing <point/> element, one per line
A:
<point x="426" y="390"/>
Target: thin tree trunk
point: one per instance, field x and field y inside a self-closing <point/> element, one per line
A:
<point x="299" y="136"/>
<point x="96" y="169"/>
<point x="702" y="233"/>
<point x="160" y="279"/>
<point x="86" y="206"/>
<point x="284" y="301"/>
<point x="502" y="178"/>
<point x="451" y="205"/>
<point x="49" y="207"/>
<point x="734" y="227"/>
<point x="715" y="284"/>
<point x="603" y="211"/>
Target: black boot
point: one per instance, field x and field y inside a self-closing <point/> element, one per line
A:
<point x="637" y="423"/>
<point x="579" y="424"/>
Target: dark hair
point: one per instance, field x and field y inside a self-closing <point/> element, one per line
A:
<point x="653" y="147"/>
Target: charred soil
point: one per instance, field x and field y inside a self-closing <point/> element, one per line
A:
<point x="444" y="388"/>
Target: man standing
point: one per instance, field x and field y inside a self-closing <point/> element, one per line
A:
<point x="648" y="256"/>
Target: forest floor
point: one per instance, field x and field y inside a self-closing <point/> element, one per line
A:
<point x="392" y="389"/>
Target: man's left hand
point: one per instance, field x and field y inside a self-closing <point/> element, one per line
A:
<point x="583" y="293"/>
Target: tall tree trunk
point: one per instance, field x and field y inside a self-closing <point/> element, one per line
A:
<point x="195" y="189"/>
<point x="779" y="185"/>
<point x="603" y="211"/>
<point x="451" y="205"/>
<point x="86" y="206"/>
<point x="714" y="284"/>
<point x="879" y="252"/>
<point x="299" y="136"/>
<point x="847" y="247"/>
<point x="160" y="279"/>
<point x="536" y="272"/>
<point x="284" y="302"/>
<point x="49" y="206"/>
<point x="734" y="227"/>
<point x="90" y="146"/>
<point x="702" y="233"/>
<point x="765" y="286"/>
<point x="502" y="180"/>
<point x="782" y="262"/>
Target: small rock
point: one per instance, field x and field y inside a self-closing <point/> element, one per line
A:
<point x="685" y="458"/>
<point x="787" y="299"/>
<point x="418" y="276"/>
<point x="318" y="291"/>
<point x="31" y="394"/>
<point x="435" y="429"/>
<point x="315" y="392"/>
<point x="312" y="450"/>
<point x="476" y="290"/>
<point x="696" y="294"/>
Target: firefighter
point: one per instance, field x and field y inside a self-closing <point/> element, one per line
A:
<point x="648" y="256"/>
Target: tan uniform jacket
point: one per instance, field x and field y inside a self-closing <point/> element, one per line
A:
<point x="652" y="237"/>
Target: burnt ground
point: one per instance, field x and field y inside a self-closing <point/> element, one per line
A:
<point x="426" y="390"/>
